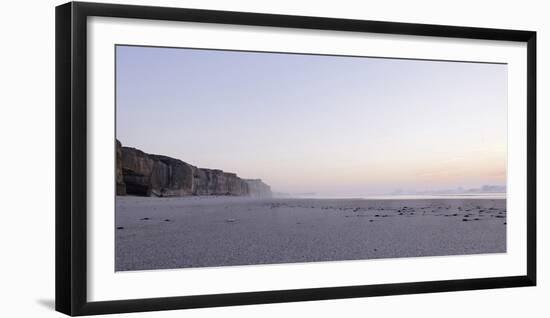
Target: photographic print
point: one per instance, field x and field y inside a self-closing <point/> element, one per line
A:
<point x="228" y="158"/>
<point x="225" y="158"/>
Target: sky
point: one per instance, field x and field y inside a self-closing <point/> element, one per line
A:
<point x="330" y="125"/>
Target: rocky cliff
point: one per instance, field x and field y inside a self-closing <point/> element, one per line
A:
<point x="139" y="173"/>
<point x="120" y="185"/>
<point x="257" y="188"/>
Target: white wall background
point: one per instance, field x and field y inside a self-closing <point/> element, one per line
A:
<point x="27" y="158"/>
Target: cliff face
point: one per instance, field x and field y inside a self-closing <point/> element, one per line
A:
<point x="257" y="188"/>
<point x="138" y="173"/>
<point x="120" y="185"/>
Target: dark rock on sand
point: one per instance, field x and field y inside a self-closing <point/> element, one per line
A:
<point x="262" y="235"/>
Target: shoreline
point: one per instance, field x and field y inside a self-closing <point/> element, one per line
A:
<point x="354" y="198"/>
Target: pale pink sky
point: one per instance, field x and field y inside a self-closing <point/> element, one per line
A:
<point x="323" y="124"/>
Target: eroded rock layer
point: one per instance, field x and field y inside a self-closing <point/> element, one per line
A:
<point x="139" y="173"/>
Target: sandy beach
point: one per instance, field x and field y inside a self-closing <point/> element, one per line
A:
<point x="183" y="232"/>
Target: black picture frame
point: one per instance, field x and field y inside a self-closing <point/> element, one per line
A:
<point x="71" y="157"/>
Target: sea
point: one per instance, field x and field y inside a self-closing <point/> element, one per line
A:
<point x="492" y="196"/>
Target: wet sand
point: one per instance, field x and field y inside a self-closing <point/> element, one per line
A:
<point x="163" y="233"/>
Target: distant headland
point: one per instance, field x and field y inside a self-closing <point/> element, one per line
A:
<point x="139" y="173"/>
